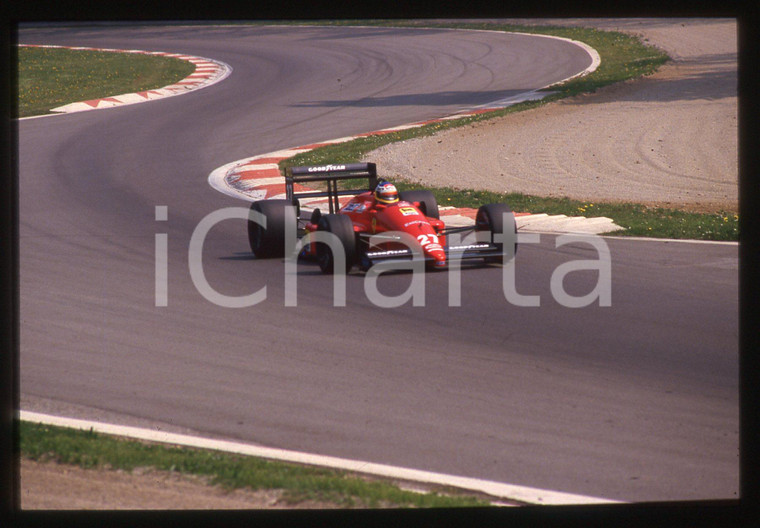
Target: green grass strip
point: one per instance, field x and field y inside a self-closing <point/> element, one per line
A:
<point x="92" y="450"/>
<point x="52" y="77"/>
<point x="636" y="219"/>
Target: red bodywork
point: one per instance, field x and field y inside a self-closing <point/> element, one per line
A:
<point x="372" y="218"/>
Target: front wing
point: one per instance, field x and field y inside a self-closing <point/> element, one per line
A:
<point x="463" y="252"/>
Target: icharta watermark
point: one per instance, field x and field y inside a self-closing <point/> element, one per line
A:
<point x="600" y="294"/>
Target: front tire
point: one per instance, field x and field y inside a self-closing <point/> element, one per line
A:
<point x="499" y="220"/>
<point x="342" y="227"/>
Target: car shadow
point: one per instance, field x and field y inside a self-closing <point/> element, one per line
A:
<point x="240" y="255"/>
<point x="309" y="267"/>
<point x="418" y="99"/>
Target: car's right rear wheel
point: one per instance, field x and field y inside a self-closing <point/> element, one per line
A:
<point x="426" y="199"/>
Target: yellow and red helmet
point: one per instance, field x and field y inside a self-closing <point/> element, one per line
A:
<point x="386" y="193"/>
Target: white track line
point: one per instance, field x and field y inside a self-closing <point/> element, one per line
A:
<point x="499" y="490"/>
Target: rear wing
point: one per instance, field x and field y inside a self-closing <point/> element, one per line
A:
<point x="331" y="174"/>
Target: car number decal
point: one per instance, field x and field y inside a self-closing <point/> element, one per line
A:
<point x="427" y="239"/>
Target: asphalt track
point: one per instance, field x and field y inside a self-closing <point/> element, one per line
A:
<point x="636" y="401"/>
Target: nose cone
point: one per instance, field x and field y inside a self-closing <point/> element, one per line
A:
<point x="435" y="252"/>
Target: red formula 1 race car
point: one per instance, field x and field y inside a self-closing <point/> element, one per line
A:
<point x="378" y="224"/>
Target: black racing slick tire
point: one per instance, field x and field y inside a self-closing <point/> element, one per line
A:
<point x="426" y="199"/>
<point x="498" y="219"/>
<point x="269" y="241"/>
<point x="342" y="227"/>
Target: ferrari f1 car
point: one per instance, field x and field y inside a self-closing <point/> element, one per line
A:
<point x="377" y="224"/>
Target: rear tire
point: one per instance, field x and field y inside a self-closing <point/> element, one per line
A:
<point x="499" y="220"/>
<point x="426" y="199"/>
<point x="342" y="227"/>
<point x="269" y="242"/>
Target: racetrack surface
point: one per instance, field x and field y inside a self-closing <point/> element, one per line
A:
<point x="637" y="401"/>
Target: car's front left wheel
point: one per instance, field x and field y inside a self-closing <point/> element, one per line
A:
<point x="345" y="241"/>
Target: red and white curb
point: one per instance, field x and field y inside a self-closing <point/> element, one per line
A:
<point x="498" y="490"/>
<point x="537" y="223"/>
<point x="207" y="72"/>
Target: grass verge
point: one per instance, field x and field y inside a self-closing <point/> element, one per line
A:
<point x="636" y="219"/>
<point x="92" y="450"/>
<point x="51" y="77"/>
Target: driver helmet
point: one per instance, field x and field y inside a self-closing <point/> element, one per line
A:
<point x="386" y="193"/>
